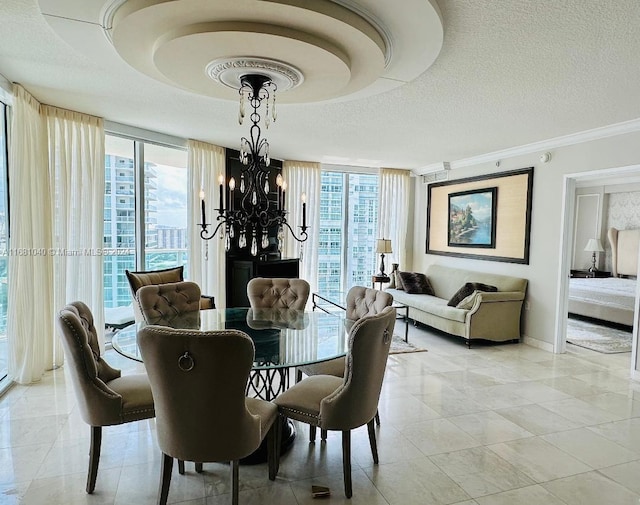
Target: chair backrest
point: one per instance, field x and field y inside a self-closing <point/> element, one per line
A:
<point x="363" y="301"/>
<point x="148" y="278"/>
<point x="278" y="293"/>
<point x="356" y="401"/>
<point x="99" y="405"/>
<point x="198" y="381"/>
<point x="176" y="304"/>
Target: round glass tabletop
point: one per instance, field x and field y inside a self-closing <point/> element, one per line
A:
<point x="283" y="338"/>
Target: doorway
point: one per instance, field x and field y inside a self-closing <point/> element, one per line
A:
<point x="621" y="175"/>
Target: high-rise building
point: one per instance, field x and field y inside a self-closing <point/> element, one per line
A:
<point x="120" y="224"/>
<point x="348" y="230"/>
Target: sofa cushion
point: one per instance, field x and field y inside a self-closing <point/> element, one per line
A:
<point x="430" y="304"/>
<point x="416" y="283"/>
<point x="468" y="289"/>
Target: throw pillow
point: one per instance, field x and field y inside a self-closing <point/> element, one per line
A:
<point x="416" y="283"/>
<point x="399" y="284"/>
<point x="468" y="302"/>
<point x="467" y="290"/>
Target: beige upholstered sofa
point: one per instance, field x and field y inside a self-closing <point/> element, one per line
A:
<point x="491" y="316"/>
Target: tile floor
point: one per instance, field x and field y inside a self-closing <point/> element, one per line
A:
<point x="494" y="425"/>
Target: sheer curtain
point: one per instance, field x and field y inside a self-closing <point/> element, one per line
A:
<point x="30" y="309"/>
<point x="206" y="257"/>
<point x="303" y="177"/>
<point x="393" y="212"/>
<point x="76" y="161"/>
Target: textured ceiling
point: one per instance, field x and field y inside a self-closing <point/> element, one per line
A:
<point x="509" y="73"/>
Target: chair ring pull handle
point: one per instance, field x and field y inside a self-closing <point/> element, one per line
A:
<point x="186" y="362"/>
<point x="386" y="337"/>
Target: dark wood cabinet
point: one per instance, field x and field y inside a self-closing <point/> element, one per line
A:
<point x="240" y="272"/>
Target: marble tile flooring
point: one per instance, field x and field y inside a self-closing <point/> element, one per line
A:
<point x="494" y="425"/>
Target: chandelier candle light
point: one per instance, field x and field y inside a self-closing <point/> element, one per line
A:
<point x="256" y="214"/>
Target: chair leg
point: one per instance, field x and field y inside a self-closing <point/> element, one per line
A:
<point x="94" y="457"/>
<point x="279" y="422"/>
<point x="323" y="434"/>
<point x="377" y="417"/>
<point x="298" y="375"/>
<point x="234" y="482"/>
<point x="165" y="479"/>
<point x="199" y="467"/>
<point x="372" y="441"/>
<point x="181" y="467"/>
<point x="346" y="462"/>
<point x="272" y="450"/>
<point x="312" y="433"/>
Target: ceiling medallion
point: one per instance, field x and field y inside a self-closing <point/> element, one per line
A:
<point x="229" y="71"/>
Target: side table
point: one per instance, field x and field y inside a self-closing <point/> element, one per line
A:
<point x="380" y="279"/>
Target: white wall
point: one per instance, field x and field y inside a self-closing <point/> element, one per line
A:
<point x="548" y="185"/>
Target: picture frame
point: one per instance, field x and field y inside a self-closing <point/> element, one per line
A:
<point x="472" y="218"/>
<point x="511" y="195"/>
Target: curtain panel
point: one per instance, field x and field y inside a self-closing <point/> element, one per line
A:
<point x="303" y="177"/>
<point x="30" y="308"/>
<point x="206" y="257"/>
<point x="76" y="164"/>
<point x="393" y="213"/>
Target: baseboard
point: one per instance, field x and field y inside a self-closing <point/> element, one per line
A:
<point x="537" y="343"/>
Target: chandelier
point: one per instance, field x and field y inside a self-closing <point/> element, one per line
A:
<point x="256" y="214"/>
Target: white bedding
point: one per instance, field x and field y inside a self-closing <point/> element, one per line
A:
<point x="610" y="299"/>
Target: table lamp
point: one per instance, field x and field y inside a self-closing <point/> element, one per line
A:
<point x="383" y="247"/>
<point x="594" y="246"/>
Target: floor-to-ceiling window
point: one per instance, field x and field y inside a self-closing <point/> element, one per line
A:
<point x="348" y="227"/>
<point x="145" y="212"/>
<point x="4" y="240"/>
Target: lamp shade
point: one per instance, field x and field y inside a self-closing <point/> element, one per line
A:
<point x="594" y="245"/>
<point x="383" y="246"/>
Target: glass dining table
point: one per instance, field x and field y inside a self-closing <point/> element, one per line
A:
<point x="283" y="339"/>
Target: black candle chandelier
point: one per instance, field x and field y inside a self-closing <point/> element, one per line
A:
<point x="256" y="213"/>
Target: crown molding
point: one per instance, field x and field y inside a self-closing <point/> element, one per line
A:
<point x="536" y="147"/>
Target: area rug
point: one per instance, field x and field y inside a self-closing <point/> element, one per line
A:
<point x="399" y="346"/>
<point x="597" y="337"/>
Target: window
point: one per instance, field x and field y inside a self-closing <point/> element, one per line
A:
<point x="161" y="208"/>
<point x="348" y="224"/>
<point x="4" y="240"/>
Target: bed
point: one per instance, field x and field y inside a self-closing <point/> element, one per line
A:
<point x="610" y="299"/>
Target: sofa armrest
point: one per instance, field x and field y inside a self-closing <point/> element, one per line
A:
<point x="498" y="296"/>
<point x="495" y="316"/>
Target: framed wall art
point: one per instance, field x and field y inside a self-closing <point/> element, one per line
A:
<point x="486" y="217"/>
<point x="472" y="218"/>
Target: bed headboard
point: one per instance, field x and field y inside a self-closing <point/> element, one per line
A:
<point x="624" y="251"/>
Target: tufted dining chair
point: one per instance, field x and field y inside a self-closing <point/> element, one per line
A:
<point x="199" y="380"/>
<point x="105" y="398"/>
<point x="278" y="293"/>
<point x="164" y="276"/>
<point x="175" y="304"/>
<point x="361" y="302"/>
<point x="346" y="403"/>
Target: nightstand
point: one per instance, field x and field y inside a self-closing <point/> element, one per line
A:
<point x="586" y="274"/>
